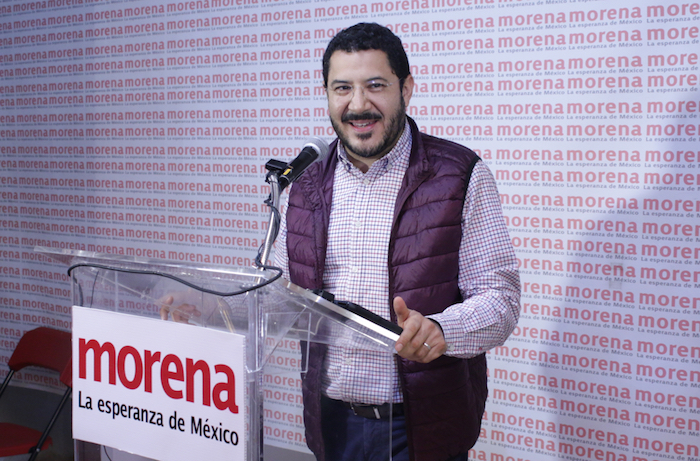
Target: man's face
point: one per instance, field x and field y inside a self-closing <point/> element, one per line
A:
<point x="365" y="101"/>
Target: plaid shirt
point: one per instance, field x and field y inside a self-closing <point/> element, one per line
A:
<point x="356" y="270"/>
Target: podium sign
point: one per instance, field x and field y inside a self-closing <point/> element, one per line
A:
<point x="163" y="390"/>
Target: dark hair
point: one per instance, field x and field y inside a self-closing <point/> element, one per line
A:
<point x="369" y="36"/>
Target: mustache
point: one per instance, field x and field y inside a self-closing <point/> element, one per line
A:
<point x="367" y="115"/>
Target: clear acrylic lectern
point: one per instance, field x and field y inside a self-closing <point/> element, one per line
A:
<point x="279" y="320"/>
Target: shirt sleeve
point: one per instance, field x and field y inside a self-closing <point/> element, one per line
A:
<point x="488" y="274"/>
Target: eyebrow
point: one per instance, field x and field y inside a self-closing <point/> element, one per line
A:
<point x="336" y="81"/>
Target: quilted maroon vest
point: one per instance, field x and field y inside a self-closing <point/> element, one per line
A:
<point x="443" y="400"/>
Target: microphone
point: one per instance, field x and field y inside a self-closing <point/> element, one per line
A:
<point x="314" y="150"/>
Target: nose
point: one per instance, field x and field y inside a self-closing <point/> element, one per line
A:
<point x="358" y="101"/>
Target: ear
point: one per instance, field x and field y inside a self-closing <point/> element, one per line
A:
<point x="407" y="90"/>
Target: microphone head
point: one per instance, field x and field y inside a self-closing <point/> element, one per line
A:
<point x="320" y="146"/>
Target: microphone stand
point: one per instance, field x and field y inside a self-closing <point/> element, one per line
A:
<point x="275" y="167"/>
<point x="256" y="317"/>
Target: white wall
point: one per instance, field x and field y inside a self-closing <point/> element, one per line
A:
<point x="143" y="127"/>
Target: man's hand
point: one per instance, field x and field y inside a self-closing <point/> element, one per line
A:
<point x="421" y="340"/>
<point x="181" y="311"/>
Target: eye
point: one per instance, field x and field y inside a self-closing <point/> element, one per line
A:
<point x="342" y="89"/>
<point x="376" y="86"/>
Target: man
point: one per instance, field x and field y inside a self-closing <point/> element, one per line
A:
<point x="410" y="227"/>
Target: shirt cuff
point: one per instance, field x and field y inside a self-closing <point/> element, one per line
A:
<point x="451" y="327"/>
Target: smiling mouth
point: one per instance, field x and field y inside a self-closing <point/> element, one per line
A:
<point x="364" y="129"/>
<point x="363" y="122"/>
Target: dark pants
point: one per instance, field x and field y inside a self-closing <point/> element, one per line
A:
<point x="349" y="437"/>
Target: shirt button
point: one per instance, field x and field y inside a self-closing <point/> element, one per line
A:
<point x="366" y="181"/>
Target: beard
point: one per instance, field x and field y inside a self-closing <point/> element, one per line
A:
<point x="393" y="129"/>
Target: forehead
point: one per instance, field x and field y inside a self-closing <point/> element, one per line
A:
<point x="359" y="65"/>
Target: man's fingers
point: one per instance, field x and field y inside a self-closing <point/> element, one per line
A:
<point x="185" y="313"/>
<point x="165" y="307"/>
<point x="401" y="310"/>
<point x="181" y="313"/>
<point x="412" y="337"/>
<point x="421" y="339"/>
<point x="180" y="316"/>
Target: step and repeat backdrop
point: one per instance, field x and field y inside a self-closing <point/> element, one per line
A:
<point x="142" y="128"/>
